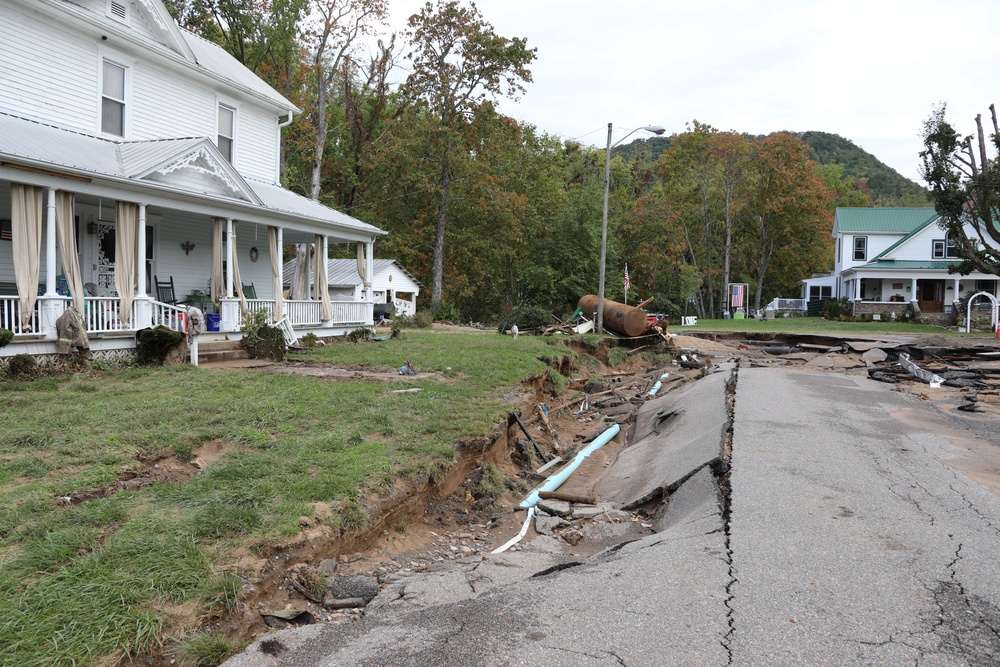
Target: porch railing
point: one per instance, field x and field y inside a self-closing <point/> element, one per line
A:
<point x="786" y="304"/>
<point x="103" y="314"/>
<point x="307" y="313"/>
<point x="172" y="317"/>
<point x="10" y="316"/>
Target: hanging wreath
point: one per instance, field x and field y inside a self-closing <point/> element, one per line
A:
<point x="254" y="254"/>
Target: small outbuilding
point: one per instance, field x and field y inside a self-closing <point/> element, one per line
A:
<point x="392" y="285"/>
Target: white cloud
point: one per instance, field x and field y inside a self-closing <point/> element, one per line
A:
<point x="868" y="71"/>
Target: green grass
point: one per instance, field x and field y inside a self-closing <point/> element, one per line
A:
<point x="817" y="325"/>
<point x="80" y="581"/>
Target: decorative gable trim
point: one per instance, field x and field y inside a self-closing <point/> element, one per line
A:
<point x="161" y="23"/>
<point x="205" y="161"/>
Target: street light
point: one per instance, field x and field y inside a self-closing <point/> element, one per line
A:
<point x="655" y="129"/>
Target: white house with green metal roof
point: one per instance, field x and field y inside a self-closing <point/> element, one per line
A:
<point x="889" y="258"/>
<point x="139" y="174"/>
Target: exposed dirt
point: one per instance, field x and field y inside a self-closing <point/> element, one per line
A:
<point x="418" y="524"/>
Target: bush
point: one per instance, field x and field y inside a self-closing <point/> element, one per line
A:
<point x="22" y="367"/>
<point x="529" y="317"/>
<point x="6" y="336"/>
<point x="153" y="345"/>
<point x="835" y="309"/>
<point x="261" y="340"/>
<point x="359" y="335"/>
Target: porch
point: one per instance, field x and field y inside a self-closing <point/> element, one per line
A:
<point x="103" y="317"/>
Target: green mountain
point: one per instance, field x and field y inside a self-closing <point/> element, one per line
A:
<point x="888" y="187"/>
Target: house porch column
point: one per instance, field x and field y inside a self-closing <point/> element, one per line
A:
<point x="50" y="306"/>
<point x="229" y="308"/>
<point x="913" y="290"/>
<point x="143" y="305"/>
<point x="370" y="269"/>
<point x="857" y="288"/>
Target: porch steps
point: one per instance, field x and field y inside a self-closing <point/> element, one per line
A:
<point x="220" y="350"/>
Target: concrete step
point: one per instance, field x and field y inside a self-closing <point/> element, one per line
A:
<point x="220" y="350"/>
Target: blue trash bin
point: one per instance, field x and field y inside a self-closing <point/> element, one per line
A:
<point x="212" y="321"/>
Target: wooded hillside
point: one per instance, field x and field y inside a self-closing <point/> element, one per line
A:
<point x="492" y="214"/>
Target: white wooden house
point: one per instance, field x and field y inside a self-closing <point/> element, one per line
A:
<point x="131" y="151"/>
<point x="391" y="284"/>
<point x="889" y="258"/>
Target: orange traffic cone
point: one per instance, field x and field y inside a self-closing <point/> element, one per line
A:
<point x="998" y="330"/>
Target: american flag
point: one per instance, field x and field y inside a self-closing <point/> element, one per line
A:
<point x="6" y="231"/>
<point x="737" y="293"/>
<point x="627" y="282"/>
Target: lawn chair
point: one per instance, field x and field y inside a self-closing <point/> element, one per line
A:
<point x="249" y="291"/>
<point x="165" y="290"/>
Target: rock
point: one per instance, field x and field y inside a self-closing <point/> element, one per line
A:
<point x="545" y="525"/>
<point x="572" y="536"/>
<point x="554" y="507"/>
<point x="328" y="566"/>
<point x="356" y="586"/>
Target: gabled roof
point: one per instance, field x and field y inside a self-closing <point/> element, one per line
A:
<point x="216" y="60"/>
<point x="47" y="146"/>
<point x="882" y="220"/>
<point x="905" y="239"/>
<point x="162" y="24"/>
<point x="344" y="272"/>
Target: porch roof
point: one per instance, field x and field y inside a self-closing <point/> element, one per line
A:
<point x="904" y="264"/>
<point x="344" y="272"/>
<point x="37" y="144"/>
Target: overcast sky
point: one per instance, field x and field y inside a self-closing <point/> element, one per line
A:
<point x="869" y="71"/>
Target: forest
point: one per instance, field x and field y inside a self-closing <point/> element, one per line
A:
<point x="492" y="214"/>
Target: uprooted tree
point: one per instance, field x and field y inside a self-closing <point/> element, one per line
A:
<point x="965" y="188"/>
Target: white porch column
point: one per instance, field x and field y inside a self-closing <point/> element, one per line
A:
<point x="326" y="253"/>
<point x="140" y="285"/>
<point x="956" y="285"/>
<point x="229" y="258"/>
<point x="50" y="242"/>
<point x="370" y="269"/>
<point x="913" y="290"/>
<point x="50" y="307"/>
<point x="143" y="305"/>
<point x="857" y="289"/>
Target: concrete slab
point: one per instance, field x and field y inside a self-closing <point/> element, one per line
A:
<point x="676" y="436"/>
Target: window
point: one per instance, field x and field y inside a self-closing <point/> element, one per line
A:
<point x="945" y="249"/>
<point x="951" y="250"/>
<point x="817" y="292"/>
<point x="860" y="248"/>
<point x="986" y="286"/>
<point x="113" y="99"/>
<point x="227" y="123"/>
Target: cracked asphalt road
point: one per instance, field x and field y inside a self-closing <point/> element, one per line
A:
<point x="848" y="540"/>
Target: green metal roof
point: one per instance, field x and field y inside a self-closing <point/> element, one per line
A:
<point x="882" y="220"/>
<point x="906" y="264"/>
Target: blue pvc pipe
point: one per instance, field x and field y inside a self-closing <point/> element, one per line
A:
<point x="555" y="481"/>
<point x="656" y="388"/>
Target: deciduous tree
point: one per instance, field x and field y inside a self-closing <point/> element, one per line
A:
<point x="965" y="187"/>
<point x="459" y="62"/>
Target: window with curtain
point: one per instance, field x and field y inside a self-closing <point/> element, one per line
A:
<point x="113" y="99"/>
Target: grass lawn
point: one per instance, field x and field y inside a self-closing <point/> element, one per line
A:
<point x="83" y="580"/>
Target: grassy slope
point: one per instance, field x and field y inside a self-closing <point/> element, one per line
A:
<point x="79" y="582"/>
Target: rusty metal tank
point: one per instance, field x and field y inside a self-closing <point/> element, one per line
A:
<point x="622" y="319"/>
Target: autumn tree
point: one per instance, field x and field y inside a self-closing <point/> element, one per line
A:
<point x="787" y="222"/>
<point x="965" y="187"/>
<point x="332" y="36"/>
<point x="459" y="63"/>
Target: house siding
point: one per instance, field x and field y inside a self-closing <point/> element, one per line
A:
<point x="69" y="64"/>
<point x="69" y="96"/>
